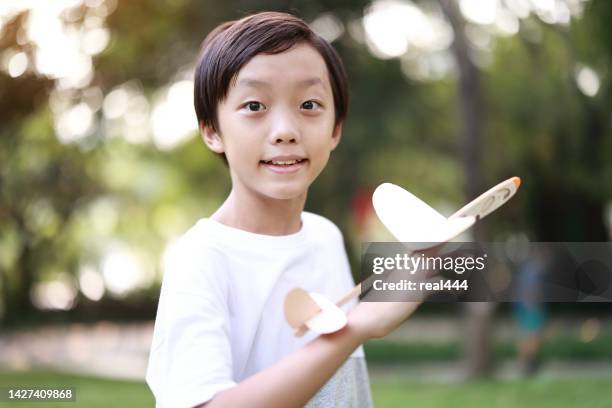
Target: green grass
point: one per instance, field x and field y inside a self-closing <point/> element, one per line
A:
<point x="583" y="393"/>
<point x="560" y="347"/>
<point x="540" y="393"/>
<point x="91" y="392"/>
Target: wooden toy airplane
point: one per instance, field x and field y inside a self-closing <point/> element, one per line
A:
<point x="410" y="220"/>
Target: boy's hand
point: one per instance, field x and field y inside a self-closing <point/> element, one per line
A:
<point x="377" y="319"/>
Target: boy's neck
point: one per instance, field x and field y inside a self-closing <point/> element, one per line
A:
<point x="260" y="215"/>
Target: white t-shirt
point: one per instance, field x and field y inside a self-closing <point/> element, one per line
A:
<point x="220" y="314"/>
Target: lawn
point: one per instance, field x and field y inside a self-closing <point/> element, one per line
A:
<point x="558" y="347"/>
<point x="540" y="393"/>
<point x="586" y="393"/>
<point x="91" y="392"/>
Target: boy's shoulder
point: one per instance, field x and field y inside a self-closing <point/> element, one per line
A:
<point x="210" y="255"/>
<point x="208" y="239"/>
<point x="206" y="232"/>
<point x="319" y="224"/>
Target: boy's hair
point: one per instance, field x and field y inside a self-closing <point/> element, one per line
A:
<point x="232" y="44"/>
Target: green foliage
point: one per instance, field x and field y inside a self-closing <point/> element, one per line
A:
<point x="62" y="205"/>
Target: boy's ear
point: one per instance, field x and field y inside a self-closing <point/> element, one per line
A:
<point x="336" y="135"/>
<point x="211" y="138"/>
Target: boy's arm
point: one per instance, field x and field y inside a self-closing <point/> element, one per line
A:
<point x="295" y="379"/>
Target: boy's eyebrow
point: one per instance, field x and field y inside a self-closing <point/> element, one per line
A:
<point x="258" y="83"/>
<point x="311" y="81"/>
<point x="253" y="83"/>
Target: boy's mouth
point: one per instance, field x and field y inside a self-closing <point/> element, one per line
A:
<point x="283" y="162"/>
<point x="284" y="165"/>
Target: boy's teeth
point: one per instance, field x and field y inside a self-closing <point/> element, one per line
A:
<point x="284" y="163"/>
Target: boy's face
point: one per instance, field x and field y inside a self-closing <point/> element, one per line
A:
<point x="276" y="126"/>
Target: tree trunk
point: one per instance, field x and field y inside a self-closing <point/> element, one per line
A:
<point x="478" y="315"/>
<point x="18" y="304"/>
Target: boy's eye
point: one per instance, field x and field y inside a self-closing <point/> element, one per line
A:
<point x="254" y="106"/>
<point x="311" y="105"/>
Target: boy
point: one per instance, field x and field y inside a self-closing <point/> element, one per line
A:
<point x="270" y="96"/>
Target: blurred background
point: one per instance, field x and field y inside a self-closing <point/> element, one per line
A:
<point x="101" y="169"/>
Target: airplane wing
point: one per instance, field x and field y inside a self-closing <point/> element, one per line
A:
<point x="406" y="216"/>
<point x="490" y="200"/>
<point x="410" y="219"/>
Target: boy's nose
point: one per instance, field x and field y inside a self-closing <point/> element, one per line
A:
<point x="285" y="130"/>
<point x="285" y="138"/>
